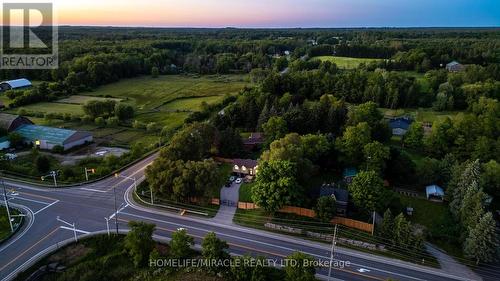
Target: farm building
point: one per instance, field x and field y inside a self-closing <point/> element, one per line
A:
<point x="434" y="192"/>
<point x="10" y="122"/>
<point x="400" y="125"/>
<point x="49" y="137"/>
<point x="15" y="84"/>
<point x="455" y="66"/>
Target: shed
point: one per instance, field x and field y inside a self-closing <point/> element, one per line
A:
<point x="434" y="192"/>
<point x="10" y="122"/>
<point x="454" y="66"/>
<point x="15" y="84"/>
<point x="400" y="125"/>
<point x="49" y="137"/>
<point x="349" y="174"/>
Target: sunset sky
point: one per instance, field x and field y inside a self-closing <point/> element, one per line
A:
<point x="279" y="13"/>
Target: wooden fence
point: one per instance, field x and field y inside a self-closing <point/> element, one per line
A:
<point x="363" y="226"/>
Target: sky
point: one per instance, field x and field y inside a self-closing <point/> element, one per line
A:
<point x="279" y="13"/>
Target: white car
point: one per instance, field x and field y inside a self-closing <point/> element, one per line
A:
<point x="238" y="181"/>
<point x="10" y="156"/>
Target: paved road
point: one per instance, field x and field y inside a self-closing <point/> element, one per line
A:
<point x="87" y="206"/>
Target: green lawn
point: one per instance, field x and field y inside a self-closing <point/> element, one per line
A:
<point x="84" y="99"/>
<point x="190" y="104"/>
<point x="4" y="222"/>
<point x="345" y="62"/>
<point x="420" y="114"/>
<point x="437" y="219"/>
<point x="246" y="192"/>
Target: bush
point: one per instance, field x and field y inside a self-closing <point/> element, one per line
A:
<point x="99" y="121"/>
<point x="138" y="125"/>
<point x="42" y="163"/>
<point x="58" y="149"/>
<point x="112" y="121"/>
<point x="87" y="118"/>
<point x="152" y="127"/>
<point x="22" y="111"/>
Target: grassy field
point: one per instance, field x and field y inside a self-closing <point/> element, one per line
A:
<point x="147" y="93"/>
<point x="51" y="107"/>
<point x="345" y="62"/>
<point x="420" y="114"/>
<point x="84" y="99"/>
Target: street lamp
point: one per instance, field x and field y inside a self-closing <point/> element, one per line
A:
<point x="7" y="207"/>
<point x="52" y="174"/>
<point x="87" y="171"/>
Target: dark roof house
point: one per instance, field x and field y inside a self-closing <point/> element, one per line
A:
<point x="15" y="84"/>
<point x="341" y="197"/>
<point x="255" y="139"/>
<point x="400" y="125"/>
<point x="10" y="122"/>
<point x="245" y="166"/>
<point x="454" y="66"/>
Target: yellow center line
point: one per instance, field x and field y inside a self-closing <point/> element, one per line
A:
<point x="35" y="195"/>
<point x="27" y="250"/>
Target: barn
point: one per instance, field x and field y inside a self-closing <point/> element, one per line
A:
<point x="15" y="84"/>
<point x="10" y="122"/>
<point x="49" y="137"/>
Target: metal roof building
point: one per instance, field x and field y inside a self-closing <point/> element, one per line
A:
<point x="48" y="137"/>
<point x="15" y="84"/>
<point x="10" y="122"/>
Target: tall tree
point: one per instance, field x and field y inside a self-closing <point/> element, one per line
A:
<point x="414" y="137"/>
<point x="180" y="245"/>
<point x="212" y="248"/>
<point x="300" y="267"/>
<point x="276" y="185"/>
<point x="139" y="241"/>
<point x="483" y="244"/>
<point x="274" y="129"/>
<point x="325" y="208"/>
<point x="376" y="155"/>
<point x="368" y="192"/>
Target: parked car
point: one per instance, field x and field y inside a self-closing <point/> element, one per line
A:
<point x="228" y="184"/>
<point x="232" y="178"/>
<point x="10" y="156"/>
<point x="238" y="180"/>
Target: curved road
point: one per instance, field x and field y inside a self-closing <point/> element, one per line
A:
<point x="87" y="206"/>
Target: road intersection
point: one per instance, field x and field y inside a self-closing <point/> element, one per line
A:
<point x="91" y="208"/>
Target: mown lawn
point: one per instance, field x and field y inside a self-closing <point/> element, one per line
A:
<point x="246" y="192"/>
<point x="420" y="114"/>
<point x="345" y="62"/>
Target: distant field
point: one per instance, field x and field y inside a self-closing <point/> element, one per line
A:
<point x="51" y="107"/>
<point x="147" y="93"/>
<point x="345" y="62"/>
<point x="420" y="114"/>
<point x="190" y="104"/>
<point x="83" y="99"/>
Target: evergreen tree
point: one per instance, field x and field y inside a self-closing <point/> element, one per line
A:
<point x="402" y="231"/>
<point x="482" y="244"/>
<point x="263" y="117"/>
<point x="472" y="206"/>
<point x="386" y="229"/>
<point x="470" y="174"/>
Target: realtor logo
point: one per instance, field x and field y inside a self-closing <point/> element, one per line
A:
<point x="28" y="36"/>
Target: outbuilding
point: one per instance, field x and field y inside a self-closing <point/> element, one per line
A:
<point x="455" y="66"/>
<point x="400" y="125"/>
<point x="434" y="192"/>
<point x="10" y="122"/>
<point x="49" y="137"/>
<point x="15" y="84"/>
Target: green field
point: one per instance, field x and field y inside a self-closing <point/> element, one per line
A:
<point x="51" y="107"/>
<point x="84" y="99"/>
<point x="147" y="93"/>
<point x="345" y="62"/>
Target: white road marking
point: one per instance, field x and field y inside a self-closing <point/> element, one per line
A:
<point x="123" y="208"/>
<point x="93" y="190"/>
<point x="77" y="230"/>
<point x="363" y="270"/>
<point x="31" y="200"/>
<point x="46" y="207"/>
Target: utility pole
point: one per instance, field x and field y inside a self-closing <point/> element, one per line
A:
<point x="333" y="250"/>
<point x="7" y="206"/>
<point x="70" y="224"/>
<point x="107" y="225"/>
<point x="87" y="172"/>
<point x="53" y="173"/>
<point x="373" y="223"/>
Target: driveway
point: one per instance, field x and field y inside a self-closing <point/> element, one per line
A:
<point x="229" y="203"/>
